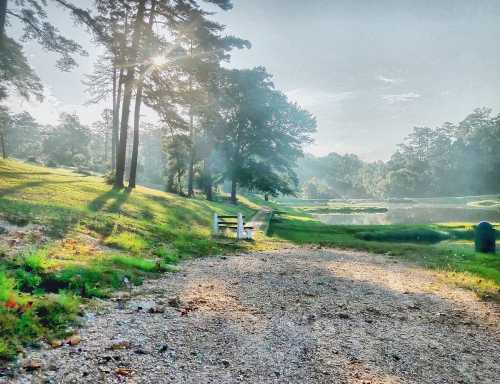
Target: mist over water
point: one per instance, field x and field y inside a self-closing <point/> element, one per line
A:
<point x="422" y="212"/>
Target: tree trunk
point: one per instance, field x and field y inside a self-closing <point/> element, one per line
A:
<point x="135" y="148"/>
<point x="116" y="123"/>
<point x="266" y="197"/>
<point x="137" y="111"/>
<point x="210" y="184"/>
<point x="234" y="187"/>
<point x="191" y="156"/>
<point x="127" y="97"/>
<point x="2" y="143"/>
<point x="191" y="132"/>
<point x="3" y="16"/>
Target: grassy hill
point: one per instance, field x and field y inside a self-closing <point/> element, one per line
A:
<point x="72" y="236"/>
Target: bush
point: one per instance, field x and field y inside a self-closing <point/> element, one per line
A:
<point x="51" y="164"/>
<point x="411" y="235"/>
<point x="7" y="286"/>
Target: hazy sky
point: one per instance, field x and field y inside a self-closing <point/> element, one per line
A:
<point x="368" y="70"/>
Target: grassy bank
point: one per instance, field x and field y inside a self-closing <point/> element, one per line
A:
<point x="72" y="237"/>
<point x="444" y="247"/>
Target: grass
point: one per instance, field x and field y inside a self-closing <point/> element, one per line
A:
<point x="446" y="247"/>
<point x="99" y="239"/>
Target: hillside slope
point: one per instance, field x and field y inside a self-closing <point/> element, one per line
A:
<point x="64" y="236"/>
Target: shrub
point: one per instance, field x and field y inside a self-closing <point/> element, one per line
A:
<point x="7" y="286"/>
<point x="417" y="235"/>
<point x="51" y="163"/>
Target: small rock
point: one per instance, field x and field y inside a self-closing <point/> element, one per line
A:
<point x="56" y="343"/>
<point x="120" y="345"/>
<point x="3" y="230"/>
<point x="174" y="302"/>
<point x="74" y="340"/>
<point x="156" y="309"/>
<point x="32" y="365"/>
<point x="343" y="315"/>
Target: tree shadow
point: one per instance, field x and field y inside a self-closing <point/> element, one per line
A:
<point x="110" y="201"/>
<point x="30" y="184"/>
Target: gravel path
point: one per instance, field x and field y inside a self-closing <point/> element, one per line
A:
<point x="293" y="316"/>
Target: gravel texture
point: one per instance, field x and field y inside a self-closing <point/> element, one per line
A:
<point x="293" y="316"/>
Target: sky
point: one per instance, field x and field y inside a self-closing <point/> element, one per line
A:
<point x="369" y="70"/>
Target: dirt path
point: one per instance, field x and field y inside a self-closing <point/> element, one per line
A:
<point x="293" y="316"/>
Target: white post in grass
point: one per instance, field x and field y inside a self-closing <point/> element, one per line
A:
<point x="215" y="226"/>
<point x="240" y="229"/>
<point x="249" y="233"/>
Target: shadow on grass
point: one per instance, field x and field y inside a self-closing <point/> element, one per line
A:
<point x="31" y="184"/>
<point x="101" y="202"/>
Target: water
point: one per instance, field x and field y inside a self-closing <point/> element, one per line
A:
<point x="416" y="214"/>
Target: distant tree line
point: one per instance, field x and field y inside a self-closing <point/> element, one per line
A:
<point x="450" y="160"/>
<point x="217" y="125"/>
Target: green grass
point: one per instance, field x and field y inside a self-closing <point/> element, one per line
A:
<point x="444" y="247"/>
<point x="98" y="239"/>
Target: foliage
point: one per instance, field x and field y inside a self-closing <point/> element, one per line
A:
<point x="16" y="73"/>
<point x="451" y="160"/>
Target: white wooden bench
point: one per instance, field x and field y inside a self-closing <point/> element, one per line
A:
<point x="233" y="222"/>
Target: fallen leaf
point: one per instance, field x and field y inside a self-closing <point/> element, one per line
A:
<point x="124" y="371"/>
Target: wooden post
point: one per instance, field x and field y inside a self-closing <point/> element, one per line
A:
<point x="216" y="224"/>
<point x="240" y="230"/>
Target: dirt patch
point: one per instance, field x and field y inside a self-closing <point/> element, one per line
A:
<point x="293" y="316"/>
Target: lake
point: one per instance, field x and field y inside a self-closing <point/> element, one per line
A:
<point x="423" y="211"/>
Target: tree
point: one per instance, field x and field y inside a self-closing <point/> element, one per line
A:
<point x="24" y="136"/>
<point x="262" y="131"/>
<point x="66" y="140"/>
<point x="204" y="48"/>
<point x="177" y="160"/>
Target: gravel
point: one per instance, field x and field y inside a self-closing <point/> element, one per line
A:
<point x="292" y="316"/>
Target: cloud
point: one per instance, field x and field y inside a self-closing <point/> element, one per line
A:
<point x="388" y="80"/>
<point x="401" y="97"/>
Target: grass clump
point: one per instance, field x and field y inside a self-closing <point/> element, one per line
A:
<point x="127" y="241"/>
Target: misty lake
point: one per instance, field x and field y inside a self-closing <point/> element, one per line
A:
<point x="421" y="212"/>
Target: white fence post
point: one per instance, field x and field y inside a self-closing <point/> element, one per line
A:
<point x="215" y="227"/>
<point x="240" y="229"/>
